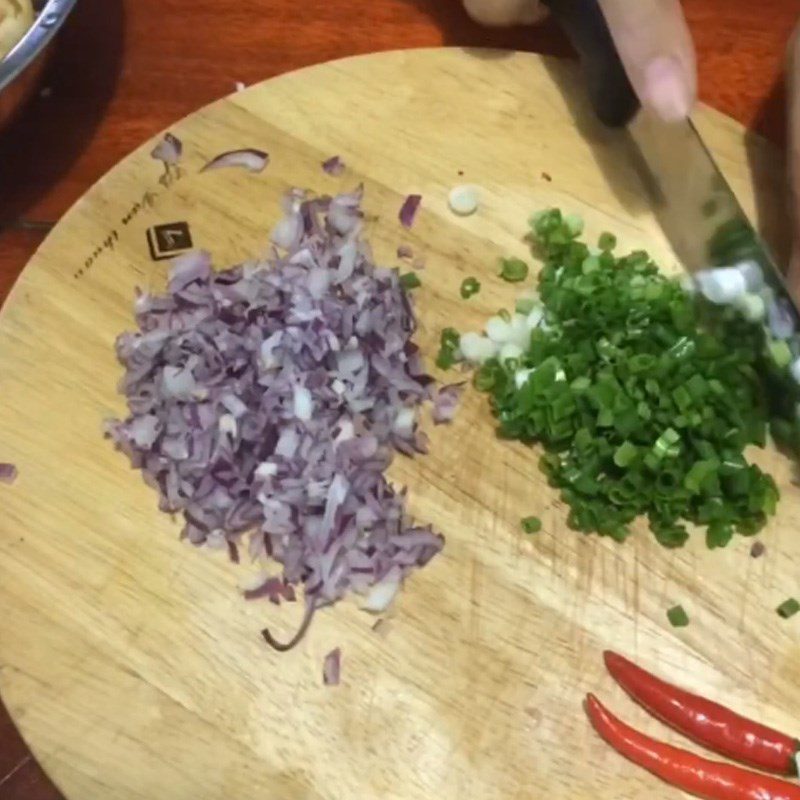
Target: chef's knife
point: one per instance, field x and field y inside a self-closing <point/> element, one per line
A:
<point x="697" y="209"/>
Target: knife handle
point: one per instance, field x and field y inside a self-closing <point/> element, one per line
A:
<point x="610" y="89"/>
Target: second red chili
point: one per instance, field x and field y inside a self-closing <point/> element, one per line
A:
<point x="708" y="723"/>
<point x="711" y="780"/>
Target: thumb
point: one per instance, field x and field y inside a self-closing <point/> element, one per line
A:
<point x="656" y="48"/>
<point x="505" y="12"/>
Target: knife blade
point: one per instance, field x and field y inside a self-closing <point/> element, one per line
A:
<point x="698" y="211"/>
<point x="696" y="208"/>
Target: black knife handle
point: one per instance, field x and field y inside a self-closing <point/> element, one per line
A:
<point x="610" y="89"/>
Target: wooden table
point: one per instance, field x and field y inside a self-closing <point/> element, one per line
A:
<point x="123" y="70"/>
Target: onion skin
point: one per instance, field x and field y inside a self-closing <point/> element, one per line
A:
<point x="249" y="159"/>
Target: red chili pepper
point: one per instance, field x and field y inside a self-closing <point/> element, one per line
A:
<point x="710" y="780"/>
<point x="709" y="724"/>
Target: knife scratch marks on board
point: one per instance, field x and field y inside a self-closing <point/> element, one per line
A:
<point x="634" y="601"/>
<point x="746" y="594"/>
<point x="474" y="598"/>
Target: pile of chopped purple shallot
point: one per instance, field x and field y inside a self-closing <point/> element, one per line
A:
<point x="266" y="401"/>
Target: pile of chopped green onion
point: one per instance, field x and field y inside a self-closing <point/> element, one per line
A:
<point x="643" y="395"/>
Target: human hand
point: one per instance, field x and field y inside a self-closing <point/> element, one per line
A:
<point x="656" y="48"/>
<point x="651" y="36"/>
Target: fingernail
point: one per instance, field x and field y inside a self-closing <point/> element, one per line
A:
<point x="666" y="90"/>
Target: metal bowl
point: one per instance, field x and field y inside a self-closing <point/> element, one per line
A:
<point x="21" y="69"/>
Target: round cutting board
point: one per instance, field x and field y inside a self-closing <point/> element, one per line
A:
<point x="128" y="658"/>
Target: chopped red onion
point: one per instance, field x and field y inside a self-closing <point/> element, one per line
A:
<point x="332" y="667"/>
<point x="408" y="210"/>
<point x="8" y="473"/>
<point x="250" y="159"/>
<point x="274" y="588"/>
<point x="382" y="594"/>
<point x="446" y="403"/>
<point x="169" y="150"/>
<point x="334" y="166"/>
<point x="264" y="402"/>
<point x="378" y="624"/>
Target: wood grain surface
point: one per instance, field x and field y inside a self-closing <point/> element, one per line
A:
<point x="124" y="69"/>
<point x="128" y="658"/>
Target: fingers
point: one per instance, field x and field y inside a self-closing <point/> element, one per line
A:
<point x="651" y="36"/>
<point x="656" y="48"/>
<point x="505" y="12"/>
<point x="793" y="85"/>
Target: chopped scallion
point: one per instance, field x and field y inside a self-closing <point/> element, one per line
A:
<point x="410" y="280"/>
<point x="448" y="344"/>
<point x="513" y="270"/>
<point x="678" y="617"/>
<point x="788" y="608"/>
<point x="531" y="524"/>
<point x="525" y="305"/>
<point x="574" y="223"/>
<point x="626" y="454"/>
<point x="644" y="396"/>
<point x="450" y="337"/>
<point x="470" y="287"/>
<point x="445" y="359"/>
<point x="607" y="241"/>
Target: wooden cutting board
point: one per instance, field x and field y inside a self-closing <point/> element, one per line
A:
<point x="129" y="659"/>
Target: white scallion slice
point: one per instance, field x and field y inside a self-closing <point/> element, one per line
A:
<point x="463" y="200"/>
